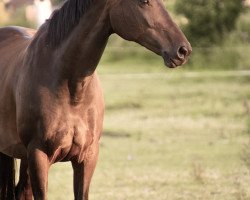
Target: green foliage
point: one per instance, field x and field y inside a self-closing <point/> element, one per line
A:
<point x="57" y="2"/>
<point x="243" y="26"/>
<point x="209" y="21"/>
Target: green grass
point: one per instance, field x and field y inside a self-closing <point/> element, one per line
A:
<point x="168" y="135"/>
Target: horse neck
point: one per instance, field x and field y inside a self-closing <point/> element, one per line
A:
<point x="78" y="56"/>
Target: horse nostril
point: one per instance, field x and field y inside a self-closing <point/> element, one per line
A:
<point x="182" y="52"/>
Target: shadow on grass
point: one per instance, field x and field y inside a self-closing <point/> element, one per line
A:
<point x="116" y="134"/>
<point x="246" y="150"/>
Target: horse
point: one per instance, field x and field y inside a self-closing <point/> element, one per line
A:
<point x="51" y="101"/>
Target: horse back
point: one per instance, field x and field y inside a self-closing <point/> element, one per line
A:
<point x="9" y="32"/>
<point x="13" y="44"/>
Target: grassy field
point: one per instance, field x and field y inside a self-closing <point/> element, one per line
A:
<point x="173" y="135"/>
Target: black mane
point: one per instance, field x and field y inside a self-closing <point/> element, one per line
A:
<point x="63" y="20"/>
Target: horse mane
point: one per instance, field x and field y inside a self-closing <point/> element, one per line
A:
<point x="65" y="19"/>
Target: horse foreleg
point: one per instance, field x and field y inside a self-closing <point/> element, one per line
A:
<point x="83" y="173"/>
<point x="38" y="169"/>
<point x="23" y="189"/>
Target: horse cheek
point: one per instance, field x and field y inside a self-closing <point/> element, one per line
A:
<point x="121" y="25"/>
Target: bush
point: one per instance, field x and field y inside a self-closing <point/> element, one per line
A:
<point x="209" y="21"/>
<point x="243" y="27"/>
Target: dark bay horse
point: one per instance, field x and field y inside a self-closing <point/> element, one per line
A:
<point x="51" y="102"/>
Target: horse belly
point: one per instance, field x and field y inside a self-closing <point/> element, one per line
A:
<point x="9" y="139"/>
<point x="11" y="145"/>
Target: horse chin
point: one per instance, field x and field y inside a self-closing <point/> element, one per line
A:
<point x="168" y="61"/>
<point x="171" y="63"/>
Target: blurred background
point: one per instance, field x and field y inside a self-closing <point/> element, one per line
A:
<point x="169" y="134"/>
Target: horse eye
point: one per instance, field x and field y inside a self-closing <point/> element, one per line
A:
<point x="144" y="1"/>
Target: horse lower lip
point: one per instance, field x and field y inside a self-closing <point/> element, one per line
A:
<point x="173" y="63"/>
<point x="169" y="63"/>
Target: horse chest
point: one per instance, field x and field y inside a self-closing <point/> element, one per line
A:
<point x="70" y="134"/>
<point x="69" y="142"/>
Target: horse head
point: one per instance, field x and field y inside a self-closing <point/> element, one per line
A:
<point x="148" y="23"/>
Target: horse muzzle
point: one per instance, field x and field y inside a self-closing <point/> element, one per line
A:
<point x="179" y="58"/>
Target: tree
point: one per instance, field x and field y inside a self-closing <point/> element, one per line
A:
<point x="209" y="21"/>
